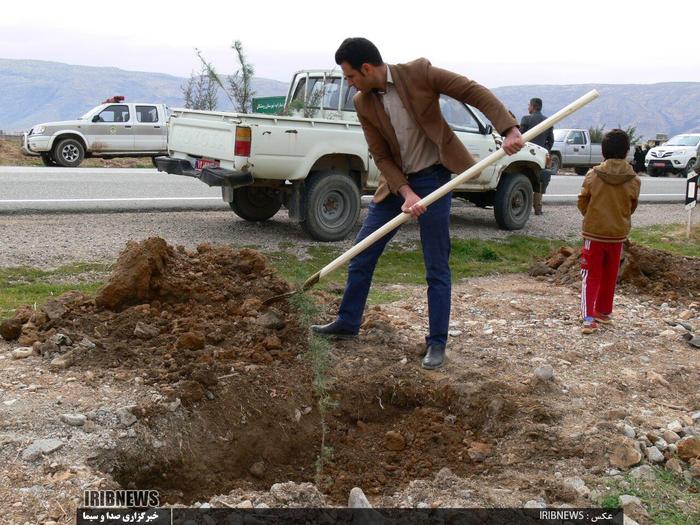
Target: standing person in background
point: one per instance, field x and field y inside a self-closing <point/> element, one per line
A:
<point x="639" y="155"/>
<point x="545" y="140"/>
<point x="608" y="198"/>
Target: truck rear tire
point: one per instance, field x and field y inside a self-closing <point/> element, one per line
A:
<point x="556" y="163"/>
<point x="68" y="153"/>
<point x="255" y="204"/>
<point x="581" y="171"/>
<point x="513" y="201"/>
<point x="331" y="207"/>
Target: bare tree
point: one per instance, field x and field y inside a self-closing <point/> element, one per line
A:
<point x="239" y="89"/>
<point x="200" y="91"/>
<point x="241" y="81"/>
<point x="632" y="134"/>
<point x="596" y="134"/>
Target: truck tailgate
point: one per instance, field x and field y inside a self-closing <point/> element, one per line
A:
<point x="202" y="137"/>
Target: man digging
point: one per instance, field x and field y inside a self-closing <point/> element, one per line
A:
<point x="416" y="152"/>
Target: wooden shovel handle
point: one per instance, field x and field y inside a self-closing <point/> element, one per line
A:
<point x="446" y="188"/>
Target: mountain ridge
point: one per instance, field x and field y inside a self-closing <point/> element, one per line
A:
<point x="35" y="91"/>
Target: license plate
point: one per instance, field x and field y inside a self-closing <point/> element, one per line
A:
<point x="659" y="164"/>
<point x="203" y="163"/>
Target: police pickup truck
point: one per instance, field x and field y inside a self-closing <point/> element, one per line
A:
<point x="115" y="128"/>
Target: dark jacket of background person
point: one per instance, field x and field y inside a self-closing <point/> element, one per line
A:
<point x="546" y="139"/>
<point x="608" y="198"/>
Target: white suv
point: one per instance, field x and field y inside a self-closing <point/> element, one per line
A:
<point x="678" y="155"/>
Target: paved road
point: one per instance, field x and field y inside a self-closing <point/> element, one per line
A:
<point x="120" y="189"/>
<point x="101" y="189"/>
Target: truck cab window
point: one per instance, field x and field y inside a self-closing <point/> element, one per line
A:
<point x="349" y="104"/>
<point x="315" y="92"/>
<point x="147" y="114"/>
<point x="577" y="138"/>
<point x="331" y="94"/>
<point x="458" y="116"/>
<point x="299" y="92"/>
<point x="115" y="113"/>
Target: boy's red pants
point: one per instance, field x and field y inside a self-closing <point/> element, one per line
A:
<point x="600" y="262"/>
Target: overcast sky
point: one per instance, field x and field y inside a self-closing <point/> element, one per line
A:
<point x="496" y="43"/>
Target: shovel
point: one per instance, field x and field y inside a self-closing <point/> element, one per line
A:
<point x="438" y="193"/>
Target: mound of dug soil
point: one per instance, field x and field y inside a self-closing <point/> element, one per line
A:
<point x="179" y="319"/>
<point x="642" y="269"/>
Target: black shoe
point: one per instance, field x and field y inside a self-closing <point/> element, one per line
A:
<point x="333" y="330"/>
<point x="434" y="357"/>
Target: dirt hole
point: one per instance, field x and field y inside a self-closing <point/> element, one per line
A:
<point x="381" y="437"/>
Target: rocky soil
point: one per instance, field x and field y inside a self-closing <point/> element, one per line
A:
<point x="175" y="377"/>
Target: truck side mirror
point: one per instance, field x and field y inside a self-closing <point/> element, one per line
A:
<point x="488" y="129"/>
<point x="569" y="141"/>
<point x="96" y="118"/>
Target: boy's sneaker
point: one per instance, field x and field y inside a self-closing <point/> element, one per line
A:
<point x="589" y="326"/>
<point x="603" y="318"/>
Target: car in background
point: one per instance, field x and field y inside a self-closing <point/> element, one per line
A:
<point x="574" y="148"/>
<point x="112" y="129"/>
<point x="678" y="155"/>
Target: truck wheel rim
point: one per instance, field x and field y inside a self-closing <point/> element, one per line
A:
<point x="70" y="153"/>
<point x="333" y="209"/>
<point x="517" y="204"/>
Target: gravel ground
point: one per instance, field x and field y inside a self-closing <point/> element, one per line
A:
<point x="50" y="240"/>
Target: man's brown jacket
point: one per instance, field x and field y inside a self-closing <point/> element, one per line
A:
<point x="419" y="85"/>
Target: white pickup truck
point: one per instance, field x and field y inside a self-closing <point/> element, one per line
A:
<point x="113" y="129"/>
<point x="318" y="167"/>
<point x="573" y="148"/>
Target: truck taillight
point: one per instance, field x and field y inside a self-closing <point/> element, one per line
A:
<point x="242" y="146"/>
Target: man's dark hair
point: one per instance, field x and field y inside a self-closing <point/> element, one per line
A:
<point x="536" y="103"/>
<point x="615" y="144"/>
<point x="357" y="51"/>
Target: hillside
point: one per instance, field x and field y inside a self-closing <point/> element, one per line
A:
<point x="671" y="108"/>
<point x="36" y="91"/>
<point x="33" y="91"/>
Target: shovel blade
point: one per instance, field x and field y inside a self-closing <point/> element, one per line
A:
<point x="308" y="284"/>
<point x="277" y="298"/>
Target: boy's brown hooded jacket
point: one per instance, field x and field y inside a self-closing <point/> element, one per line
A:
<point x="608" y="198"/>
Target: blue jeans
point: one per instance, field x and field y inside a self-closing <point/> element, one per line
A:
<point x="435" y="238"/>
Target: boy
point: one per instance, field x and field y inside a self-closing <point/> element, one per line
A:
<point x="608" y="198"/>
